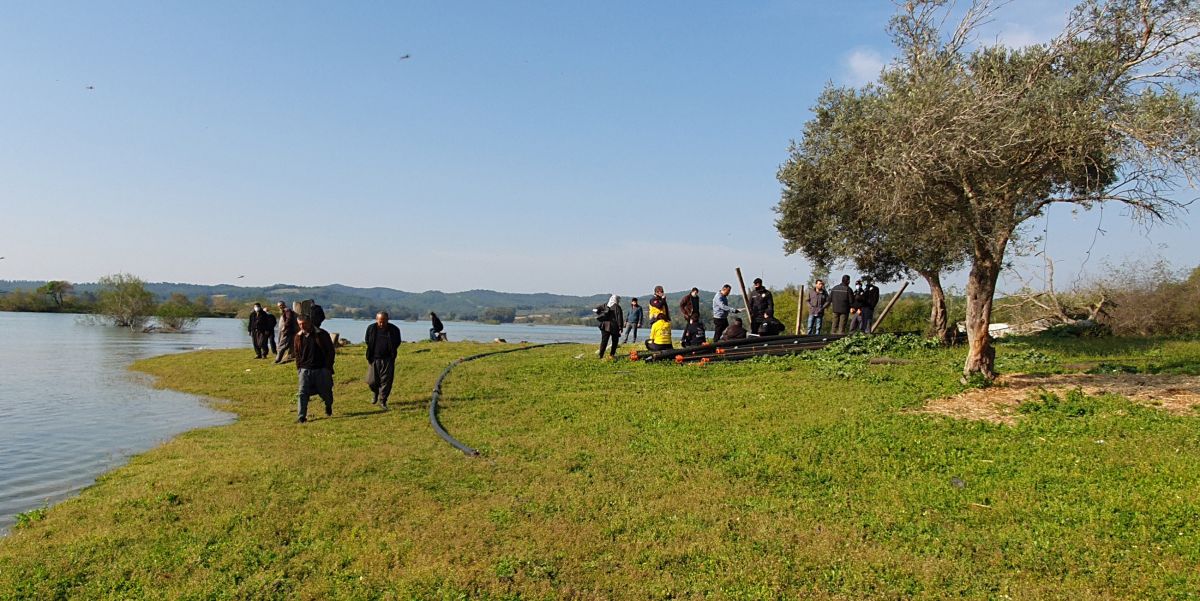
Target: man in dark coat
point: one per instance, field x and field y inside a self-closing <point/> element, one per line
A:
<point x="383" y="340"/>
<point x="693" y="334"/>
<point x="287" y="331"/>
<point x="611" y="321"/>
<point x="690" y="305"/>
<point x="436" y="328"/>
<point x="735" y="331"/>
<point x="771" y="326"/>
<point x="869" y="301"/>
<point x="761" y="304"/>
<point x="839" y="301"/>
<point x="314" y="365"/>
<point x="261" y="328"/>
<point x="856" y="298"/>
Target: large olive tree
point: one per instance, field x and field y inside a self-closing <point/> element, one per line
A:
<point x="973" y="142"/>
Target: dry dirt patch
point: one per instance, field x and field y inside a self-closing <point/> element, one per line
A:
<point x="998" y="404"/>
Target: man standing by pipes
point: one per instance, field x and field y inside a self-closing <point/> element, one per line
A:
<point x="762" y="305"/>
<point x="721" y="311"/>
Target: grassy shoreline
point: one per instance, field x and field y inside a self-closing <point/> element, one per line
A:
<point x="775" y="478"/>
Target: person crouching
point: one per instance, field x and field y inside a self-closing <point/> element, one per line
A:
<point x="314" y="366"/>
<point x="660" y="335"/>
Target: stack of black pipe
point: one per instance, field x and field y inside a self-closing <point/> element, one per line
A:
<point x="732" y="350"/>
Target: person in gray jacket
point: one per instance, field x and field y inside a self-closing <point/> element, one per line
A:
<point x="634" y="322"/>
<point x="721" y="311"/>
<point x="818" y="301"/>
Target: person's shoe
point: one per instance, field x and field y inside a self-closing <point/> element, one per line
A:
<point x="384" y="405"/>
<point x="328" y="410"/>
<point x="375" y="401"/>
<point x="301" y="420"/>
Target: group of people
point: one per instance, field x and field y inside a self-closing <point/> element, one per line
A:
<point x="853" y="308"/>
<point x="301" y="339"/>
<point x="613" y="322"/>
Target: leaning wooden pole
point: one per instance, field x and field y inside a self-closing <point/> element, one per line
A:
<point x="895" y="297"/>
<point x="799" y="310"/>
<point x="745" y="297"/>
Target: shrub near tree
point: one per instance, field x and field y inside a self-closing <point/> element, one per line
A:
<point x="124" y="300"/>
<point x="177" y="314"/>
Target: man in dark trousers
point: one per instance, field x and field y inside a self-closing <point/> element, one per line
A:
<point x="261" y="328"/>
<point x="287" y="331"/>
<point x="761" y="305"/>
<point x="721" y="311"/>
<point x="314" y="365"/>
<point x="735" y="331"/>
<point x="383" y="339"/>
<point x="869" y="300"/>
<point x="611" y="319"/>
<point x="839" y="301"/>
<point x="634" y="321"/>
<point x="818" y="300"/>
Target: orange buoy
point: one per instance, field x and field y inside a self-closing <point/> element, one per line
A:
<point x="679" y="358"/>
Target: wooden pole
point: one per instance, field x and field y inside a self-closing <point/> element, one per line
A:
<point x="800" y="310"/>
<point x="895" y="297"/>
<point x="745" y="297"/>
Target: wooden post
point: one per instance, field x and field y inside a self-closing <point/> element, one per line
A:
<point x="745" y="297"/>
<point x="800" y="310"/>
<point x="895" y="297"/>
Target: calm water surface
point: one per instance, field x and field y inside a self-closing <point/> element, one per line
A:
<point x="70" y="410"/>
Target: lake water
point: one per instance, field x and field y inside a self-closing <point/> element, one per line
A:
<point x="70" y="410"/>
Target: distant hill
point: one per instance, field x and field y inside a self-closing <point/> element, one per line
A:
<point x="348" y="301"/>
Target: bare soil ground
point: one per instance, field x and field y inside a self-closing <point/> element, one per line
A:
<point x="998" y="404"/>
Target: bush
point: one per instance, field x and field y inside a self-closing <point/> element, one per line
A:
<point x="124" y="300"/>
<point x="178" y="314"/>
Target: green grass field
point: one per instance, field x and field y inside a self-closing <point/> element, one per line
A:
<point x="783" y="478"/>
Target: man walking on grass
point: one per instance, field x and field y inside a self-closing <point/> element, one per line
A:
<point x="261" y="328"/>
<point x="314" y="366"/>
<point x="839" y="300"/>
<point x="383" y="339"/>
<point x="287" y="331"/>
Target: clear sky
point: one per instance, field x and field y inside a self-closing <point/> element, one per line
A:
<point x="521" y="146"/>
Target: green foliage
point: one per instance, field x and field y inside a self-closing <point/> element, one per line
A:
<point x="28" y="518"/>
<point x="124" y="300"/>
<point x="177" y="314"/>
<point x="1074" y="404"/>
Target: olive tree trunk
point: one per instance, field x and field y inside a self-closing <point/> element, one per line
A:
<point x="981" y="289"/>
<point x="939" y="326"/>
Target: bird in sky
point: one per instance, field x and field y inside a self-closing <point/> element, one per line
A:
<point x="240" y="277"/>
<point x="406" y="56"/>
<point x="90" y="88"/>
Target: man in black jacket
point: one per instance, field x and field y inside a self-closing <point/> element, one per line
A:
<point x="314" y="365"/>
<point x="383" y="340"/>
<point x="261" y="329"/>
<point x="762" y="304"/>
<point x="839" y="301"/>
<point x="869" y="301"/>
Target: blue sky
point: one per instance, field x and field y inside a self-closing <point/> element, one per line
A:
<point x="522" y="146"/>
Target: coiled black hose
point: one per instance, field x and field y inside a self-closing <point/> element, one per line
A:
<point x="437" y="394"/>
